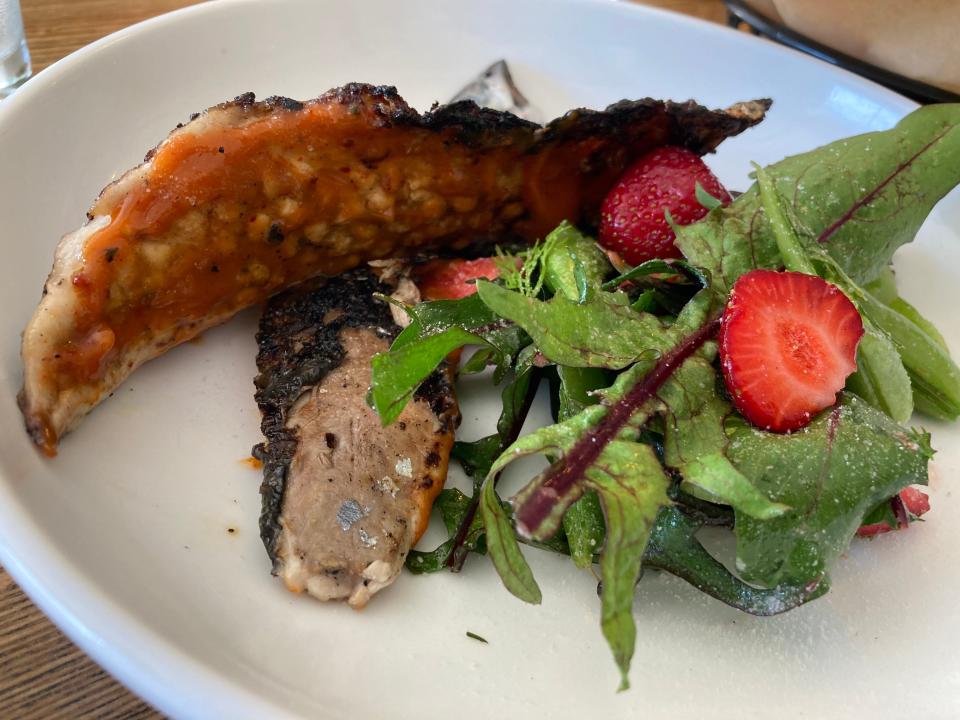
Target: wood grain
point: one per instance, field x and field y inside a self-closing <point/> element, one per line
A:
<point x="43" y="676"/>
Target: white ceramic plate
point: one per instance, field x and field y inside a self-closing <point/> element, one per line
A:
<point x="123" y="539"/>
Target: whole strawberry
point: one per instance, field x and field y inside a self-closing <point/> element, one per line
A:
<point x="632" y="219"/>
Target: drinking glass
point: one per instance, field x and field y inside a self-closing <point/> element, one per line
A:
<point x="14" y="57"/>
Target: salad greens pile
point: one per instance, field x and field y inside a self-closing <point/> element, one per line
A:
<point x="647" y="449"/>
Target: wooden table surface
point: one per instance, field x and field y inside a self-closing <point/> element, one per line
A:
<point x="42" y="674"/>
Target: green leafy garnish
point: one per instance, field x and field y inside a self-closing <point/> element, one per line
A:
<point x="647" y="449"/>
<point x="603" y="332"/>
<point x="695" y="442"/>
<point x="437" y="329"/>
<point x="706" y="199"/>
<point x="831" y="474"/>
<point x="632" y="488"/>
<point x="398" y="374"/>
<point x="504" y="549"/>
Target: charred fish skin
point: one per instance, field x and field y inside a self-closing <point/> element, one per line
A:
<point x="344" y="499"/>
<point x="298" y="341"/>
<point x="249" y="198"/>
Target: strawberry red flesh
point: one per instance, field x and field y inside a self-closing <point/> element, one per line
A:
<point x="632" y="218"/>
<point x="914" y="502"/>
<point x="788" y="341"/>
<point x="453" y="279"/>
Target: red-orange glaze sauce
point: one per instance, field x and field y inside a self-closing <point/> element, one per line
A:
<point x="252" y="463"/>
<point x="288" y="197"/>
<point x="224" y="218"/>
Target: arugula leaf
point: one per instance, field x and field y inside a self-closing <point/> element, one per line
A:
<point x="454" y="507"/>
<point x="427" y="562"/>
<point x="599" y="451"/>
<point x="478" y="457"/>
<point x="863" y="197"/>
<point x="930" y="367"/>
<point x="504" y="549"/>
<point x="464" y="527"/>
<point x="695" y="442"/>
<point x="881" y="379"/>
<point x="398" y="373"/>
<point x="673" y="268"/>
<point x="914" y="316"/>
<point x="437" y="328"/>
<point x="867" y="195"/>
<point x="585" y="528"/>
<point x="583" y="522"/>
<point x="573" y="265"/>
<point x="927" y="398"/>
<point x="784" y="234"/>
<point x="884" y="286"/>
<point x="502" y="338"/>
<point x="601" y="332"/>
<point x="674" y="548"/>
<point x="728" y="242"/>
<point x="577" y="388"/>
<point x="645" y="302"/>
<point x="632" y="488"/>
<point x="831" y="474"/>
<point x="431" y="318"/>
<point x="706" y="199"/>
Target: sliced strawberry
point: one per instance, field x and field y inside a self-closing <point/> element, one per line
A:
<point x="915" y="500"/>
<point x="788" y="341"/>
<point x="632" y="220"/>
<point x="451" y="279"/>
<point x="913" y="503"/>
<point x="873" y="530"/>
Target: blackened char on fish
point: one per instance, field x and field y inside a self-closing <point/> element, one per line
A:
<point x="344" y="499"/>
<point x="250" y="198"/>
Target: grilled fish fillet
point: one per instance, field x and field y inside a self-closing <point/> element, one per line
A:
<point x="249" y="198"/>
<point x="344" y="499"/>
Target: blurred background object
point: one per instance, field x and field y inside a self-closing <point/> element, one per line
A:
<point x="908" y="45"/>
<point x="14" y="57"/>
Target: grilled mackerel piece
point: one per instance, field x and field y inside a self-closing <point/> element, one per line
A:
<point x="249" y="198"/>
<point x="344" y="499"/>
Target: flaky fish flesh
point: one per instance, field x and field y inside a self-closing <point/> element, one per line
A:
<point x="344" y="499"/>
<point x="250" y="198"/>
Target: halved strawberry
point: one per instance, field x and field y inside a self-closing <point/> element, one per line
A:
<point x="450" y="279"/>
<point x="788" y="341"/>
<point x="632" y="220"/>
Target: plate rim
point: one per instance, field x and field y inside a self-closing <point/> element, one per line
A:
<point x="140" y="658"/>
